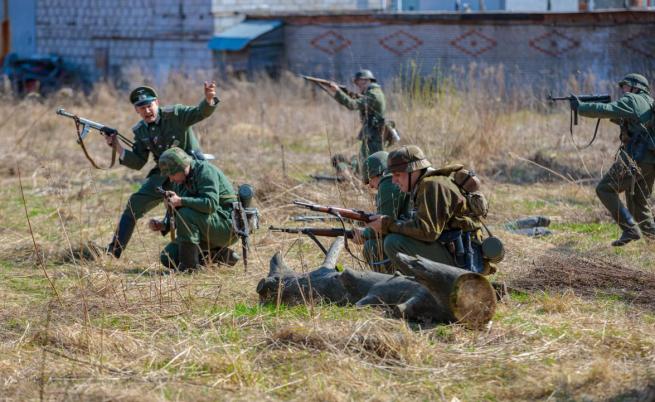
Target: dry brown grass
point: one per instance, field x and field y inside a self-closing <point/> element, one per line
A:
<point x="119" y="330"/>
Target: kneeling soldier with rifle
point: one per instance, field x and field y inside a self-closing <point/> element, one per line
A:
<point x="160" y="129"/>
<point x="437" y="206"/>
<point x="633" y="171"/>
<point x="202" y="198"/>
<point x="389" y="200"/>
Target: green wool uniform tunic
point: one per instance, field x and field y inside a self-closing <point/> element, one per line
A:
<point x="172" y="128"/>
<point x="372" y="107"/>
<point x="389" y="201"/>
<point x="632" y="111"/>
<point x="205" y="217"/>
<point x="436" y="204"/>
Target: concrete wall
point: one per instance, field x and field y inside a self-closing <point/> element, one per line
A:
<point x="540" y="49"/>
<point x="106" y="36"/>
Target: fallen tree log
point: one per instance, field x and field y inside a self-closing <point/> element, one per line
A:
<point x="439" y="293"/>
<point x="467" y="297"/>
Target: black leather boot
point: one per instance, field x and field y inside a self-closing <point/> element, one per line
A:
<point x="122" y="235"/>
<point x="188" y="257"/>
<point x="224" y="255"/>
<point x="628" y="235"/>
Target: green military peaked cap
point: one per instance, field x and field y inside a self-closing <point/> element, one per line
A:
<point x="374" y="165"/>
<point x="407" y="159"/>
<point x="636" y="81"/>
<point x="365" y="74"/>
<point x="142" y="96"/>
<point x="174" y="160"/>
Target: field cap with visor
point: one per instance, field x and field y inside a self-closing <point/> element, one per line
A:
<point x="173" y="161"/>
<point x="408" y="159"/>
<point x="142" y="96"/>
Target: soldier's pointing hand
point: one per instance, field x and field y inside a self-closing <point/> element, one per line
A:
<point x="210" y="91"/>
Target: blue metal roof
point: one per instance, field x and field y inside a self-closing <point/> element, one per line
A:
<point x="239" y="36"/>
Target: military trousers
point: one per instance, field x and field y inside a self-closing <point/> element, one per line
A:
<point x="371" y="143"/>
<point x="396" y="243"/>
<point x="375" y="257"/>
<point x="206" y="231"/>
<point x="637" y="187"/>
<point x="147" y="197"/>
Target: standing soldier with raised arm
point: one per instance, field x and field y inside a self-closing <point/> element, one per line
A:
<point x="371" y="105"/>
<point x="633" y="172"/>
<point x="389" y="200"/>
<point x="160" y="128"/>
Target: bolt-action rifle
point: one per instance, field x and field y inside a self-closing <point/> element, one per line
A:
<point x="354" y="214"/>
<point x="169" y="218"/>
<point x="84" y="126"/>
<point x="601" y="98"/>
<point x="312" y="218"/>
<point x="322" y="83"/>
<point x="313" y="233"/>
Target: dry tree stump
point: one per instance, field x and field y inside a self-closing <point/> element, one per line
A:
<point x="467" y="297"/>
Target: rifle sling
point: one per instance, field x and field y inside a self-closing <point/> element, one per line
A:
<point x="86" y="153"/>
<point x="593" y="138"/>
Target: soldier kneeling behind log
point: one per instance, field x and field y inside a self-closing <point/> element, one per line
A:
<point x="202" y="197"/>
<point x="445" y="215"/>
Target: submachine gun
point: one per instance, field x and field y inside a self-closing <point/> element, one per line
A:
<point x="169" y="218"/>
<point x="245" y="219"/>
<point x="84" y="127"/>
<point x="601" y="98"/>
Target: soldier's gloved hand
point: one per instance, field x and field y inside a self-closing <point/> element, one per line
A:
<point x="575" y="102"/>
<point x="210" y="92"/>
<point x="155" y="225"/>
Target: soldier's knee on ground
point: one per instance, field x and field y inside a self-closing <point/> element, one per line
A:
<point x="169" y="256"/>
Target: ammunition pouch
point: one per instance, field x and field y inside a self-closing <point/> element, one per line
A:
<point x="466" y="253"/>
<point x="472" y="254"/>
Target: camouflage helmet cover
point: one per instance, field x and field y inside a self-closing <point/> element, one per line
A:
<point x="636" y="81"/>
<point x="365" y="74"/>
<point x="374" y="165"/>
<point x="409" y="159"/>
<point x="174" y="160"/>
